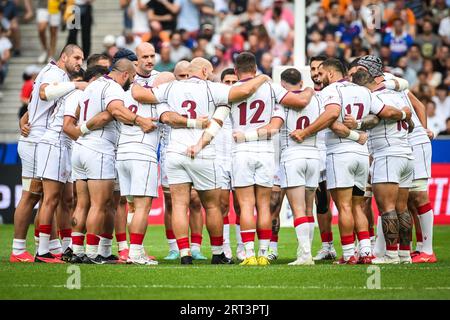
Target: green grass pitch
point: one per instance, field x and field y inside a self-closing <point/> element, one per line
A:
<point x="204" y="281"/>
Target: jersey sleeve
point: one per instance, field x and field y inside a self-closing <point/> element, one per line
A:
<point x="53" y="76"/>
<point x="114" y="93"/>
<point x="162" y="92"/>
<point x="279" y="112"/>
<point x="376" y="105"/>
<point x="330" y="95"/>
<point x="220" y="93"/>
<point x="279" y="92"/>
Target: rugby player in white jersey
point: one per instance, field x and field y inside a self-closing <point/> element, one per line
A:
<point x="195" y="98"/>
<point x="181" y="72"/>
<point x="94" y="153"/>
<point x="71" y="129"/>
<point x="347" y="158"/>
<point x="392" y="172"/>
<point x="253" y="161"/>
<point x="323" y="197"/>
<point x="224" y="143"/>
<point x="51" y="84"/>
<point x="299" y="163"/>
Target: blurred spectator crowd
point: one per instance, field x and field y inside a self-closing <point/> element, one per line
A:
<point x="411" y="37"/>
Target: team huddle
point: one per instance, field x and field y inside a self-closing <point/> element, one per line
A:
<point x="96" y="141"/>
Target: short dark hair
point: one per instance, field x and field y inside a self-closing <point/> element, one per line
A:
<point x="226" y="72"/>
<point x="291" y="76"/>
<point x="320" y="57"/>
<point x="79" y="74"/>
<point x="68" y="49"/>
<point x="354" y="63"/>
<point x="442" y="87"/>
<point x="335" y="64"/>
<point x="96" y="57"/>
<point x="94" y="71"/>
<point x="362" y="77"/>
<point x="245" y="62"/>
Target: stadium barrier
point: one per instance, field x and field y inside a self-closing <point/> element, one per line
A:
<point x="439" y="187"/>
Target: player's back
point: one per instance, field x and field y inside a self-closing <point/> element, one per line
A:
<point x="133" y="142"/>
<point x="390" y="137"/>
<point x="96" y="97"/>
<point x="255" y="112"/>
<point x="192" y="98"/>
<point x="354" y="100"/>
<point x="298" y="120"/>
<point x="39" y="111"/>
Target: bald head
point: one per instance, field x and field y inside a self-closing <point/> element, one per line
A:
<point x="201" y="68"/>
<point x="181" y="70"/>
<point x="146" y="58"/>
<point x="162" y="78"/>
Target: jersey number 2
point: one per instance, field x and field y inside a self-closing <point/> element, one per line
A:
<point x="243" y="112"/>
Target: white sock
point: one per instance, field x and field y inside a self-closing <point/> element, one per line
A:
<point x="19" y="246"/>
<point x="273" y="247"/>
<point x="104" y="247"/>
<point x="216" y="250"/>
<point x="185" y="252"/>
<point x="226" y="234"/>
<point x="348" y="250"/>
<point x="122" y="245"/>
<point x="44" y="240"/>
<point x="380" y="243"/>
<point x="426" y="223"/>
<point x="372" y="243"/>
<point x="419" y="246"/>
<point x="195" y="247"/>
<point x="36" y="244"/>
<point x="365" y="249"/>
<point x="392" y="253"/>
<point x="404" y="253"/>
<point x="303" y="237"/>
<point x="172" y="244"/>
<point x="91" y="250"/>
<point x="249" y="249"/>
<point x="312" y="226"/>
<point x="77" y="249"/>
<point x="55" y="247"/>
<point x="263" y="248"/>
<point x="66" y="243"/>
<point x="238" y="235"/>
<point x="135" y="250"/>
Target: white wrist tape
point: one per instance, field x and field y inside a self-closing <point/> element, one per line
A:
<point x="251" y="136"/>
<point x="392" y="84"/>
<point x="213" y="128"/>
<point x="84" y="129"/>
<point x="353" y="135"/>
<point x="221" y="113"/>
<point x="55" y="91"/>
<point x="191" y="123"/>
<point x="358" y="125"/>
<point x="403" y="115"/>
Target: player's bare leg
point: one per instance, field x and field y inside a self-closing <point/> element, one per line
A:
<point x="22" y="219"/>
<point x="196" y="226"/>
<point x="240" y="249"/>
<point x="138" y="229"/>
<point x="210" y="200"/>
<point x="343" y="200"/>
<point x="276" y="201"/>
<point x="225" y="208"/>
<point x="171" y="240"/>
<point x="106" y="236"/>
<point x="386" y="195"/>
<point x="120" y="228"/>
<point x="181" y="196"/>
<point x="64" y="217"/>
<point x="52" y="196"/>
<point x="419" y="203"/>
<point x="246" y="200"/>
<point x="362" y="229"/>
<point x="79" y="221"/>
<point x="324" y="218"/>
<point x="263" y="222"/>
<point x="368" y="211"/>
<point x="405" y="225"/>
<point x="101" y="198"/>
<point x="297" y="200"/>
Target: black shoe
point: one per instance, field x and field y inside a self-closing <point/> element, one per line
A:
<point x="77" y="259"/>
<point x="46" y="258"/>
<point x="98" y="259"/>
<point x="86" y="260"/>
<point x="67" y="255"/>
<point x="186" y="260"/>
<point x="221" y="259"/>
<point x="112" y="259"/>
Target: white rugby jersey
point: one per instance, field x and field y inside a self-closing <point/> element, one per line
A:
<point x="322" y="133"/>
<point x="224" y="141"/>
<point x="355" y="100"/>
<point x="134" y="144"/>
<point x="256" y="112"/>
<point x="66" y="105"/>
<point x="192" y="98"/>
<point x="389" y="137"/>
<point x="299" y="119"/>
<point x="96" y="97"/>
<point x="39" y="111"/>
<point x="146" y="81"/>
<point x="419" y="134"/>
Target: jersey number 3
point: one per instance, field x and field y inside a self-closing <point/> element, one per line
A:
<point x="190" y="105"/>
